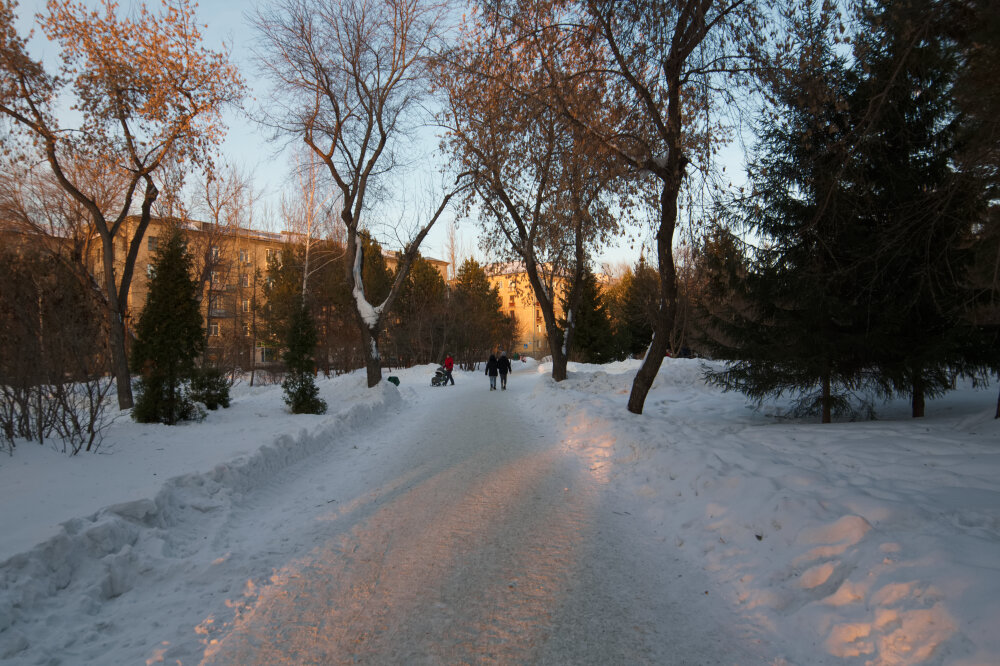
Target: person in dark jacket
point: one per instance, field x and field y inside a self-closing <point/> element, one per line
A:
<point x="503" y="367"/>
<point x="491" y="370"/>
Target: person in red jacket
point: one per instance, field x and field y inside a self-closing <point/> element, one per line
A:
<point x="449" y="363"/>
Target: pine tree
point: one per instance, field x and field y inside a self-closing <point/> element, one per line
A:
<point x="418" y="335"/>
<point x="592" y="335"/>
<point x="631" y="306"/>
<point x="301" y="392"/>
<point x="169" y="338"/>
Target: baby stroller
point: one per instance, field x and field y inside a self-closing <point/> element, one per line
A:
<point x="440" y="377"/>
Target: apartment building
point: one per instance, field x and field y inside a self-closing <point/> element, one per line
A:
<point x="518" y="300"/>
<point x="231" y="264"/>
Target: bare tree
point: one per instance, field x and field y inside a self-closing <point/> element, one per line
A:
<point x="349" y="77"/>
<point x="222" y="256"/>
<point x="660" y="60"/>
<point x="545" y="190"/>
<point x="311" y="213"/>
<point x="147" y="92"/>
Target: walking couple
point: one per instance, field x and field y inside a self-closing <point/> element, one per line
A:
<point x="498" y="366"/>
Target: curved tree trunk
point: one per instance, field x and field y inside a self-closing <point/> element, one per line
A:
<point x="668" y="296"/>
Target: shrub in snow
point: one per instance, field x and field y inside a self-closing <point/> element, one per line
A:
<point x="211" y="388"/>
<point x="301" y="393"/>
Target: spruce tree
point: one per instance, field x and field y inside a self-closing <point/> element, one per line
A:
<point x="920" y="203"/>
<point x="301" y="393"/>
<point x="592" y="335"/>
<point x="642" y="298"/>
<point x="418" y="334"/>
<point x="789" y="320"/>
<point x="480" y="323"/>
<point x="169" y="338"/>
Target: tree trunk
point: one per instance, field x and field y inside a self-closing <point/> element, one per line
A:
<point x="918" y="395"/>
<point x="668" y="297"/>
<point x="119" y="358"/>
<point x="373" y="359"/>
<point x="827" y="400"/>
<point x="559" y="360"/>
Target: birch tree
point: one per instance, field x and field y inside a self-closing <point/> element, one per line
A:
<point x="663" y="62"/>
<point x="349" y="80"/>
<point x="544" y="191"/>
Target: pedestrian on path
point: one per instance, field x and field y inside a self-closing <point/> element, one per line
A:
<point x="503" y="367"/>
<point x="449" y="363"/>
<point x="491" y="370"/>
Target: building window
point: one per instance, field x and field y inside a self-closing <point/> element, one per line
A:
<point x="244" y="257"/>
<point x="216" y="279"/>
<point x="246" y="330"/>
<point x="511" y="300"/>
<point x="245" y="280"/>
<point x="246" y="305"/>
<point x="511" y="314"/>
<point x="213" y="329"/>
<point x="269" y="254"/>
<point x="215" y="253"/>
<point x="151" y="243"/>
<point x="150" y="271"/>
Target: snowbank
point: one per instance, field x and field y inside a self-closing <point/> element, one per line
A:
<point x="873" y="542"/>
<point x="101" y="554"/>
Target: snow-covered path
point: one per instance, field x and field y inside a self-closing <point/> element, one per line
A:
<point x="539" y="525"/>
<point x="483" y="539"/>
<point x="482" y="534"/>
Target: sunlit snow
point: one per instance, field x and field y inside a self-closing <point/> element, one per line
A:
<point x="544" y="523"/>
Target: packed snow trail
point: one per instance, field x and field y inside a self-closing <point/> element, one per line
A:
<point x="487" y="543"/>
<point x="459" y="526"/>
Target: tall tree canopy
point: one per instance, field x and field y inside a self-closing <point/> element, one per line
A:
<point x="349" y="80"/>
<point x="147" y="94"/>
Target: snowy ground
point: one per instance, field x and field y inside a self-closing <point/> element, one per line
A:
<point x="543" y="524"/>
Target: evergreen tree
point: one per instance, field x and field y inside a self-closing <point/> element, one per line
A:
<point x="790" y="320"/>
<point x="632" y="304"/>
<point x="282" y="295"/>
<point x="921" y="205"/>
<point x="592" y="335"/>
<point x="480" y="325"/>
<point x="301" y="392"/>
<point x="169" y="338"/>
<point x="418" y="335"/>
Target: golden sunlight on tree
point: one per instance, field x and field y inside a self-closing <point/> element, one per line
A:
<point x="350" y="81"/>
<point x="146" y="94"/>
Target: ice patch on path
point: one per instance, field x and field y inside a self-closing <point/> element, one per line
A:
<point x="100" y="557"/>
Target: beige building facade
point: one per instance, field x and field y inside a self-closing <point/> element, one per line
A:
<point x="518" y="300"/>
